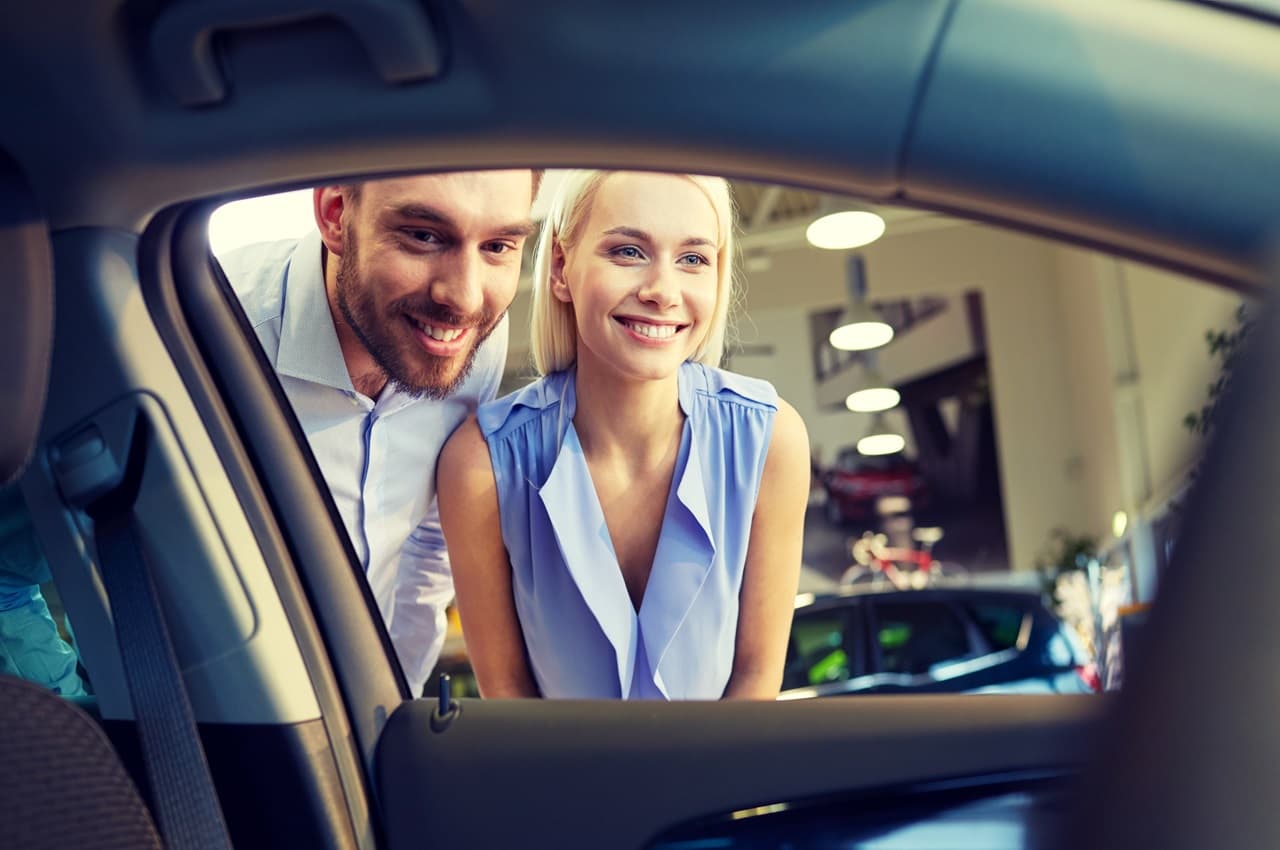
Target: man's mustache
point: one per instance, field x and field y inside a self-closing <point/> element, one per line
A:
<point x="433" y="312"/>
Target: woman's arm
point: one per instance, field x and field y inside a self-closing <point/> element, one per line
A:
<point x="468" y="499"/>
<point x="772" y="571"/>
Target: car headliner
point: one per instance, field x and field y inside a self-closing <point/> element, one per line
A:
<point x="1137" y="127"/>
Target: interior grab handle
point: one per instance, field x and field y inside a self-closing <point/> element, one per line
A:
<point x="396" y="34"/>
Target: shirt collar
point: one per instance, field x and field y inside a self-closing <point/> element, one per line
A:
<point x="309" y="346"/>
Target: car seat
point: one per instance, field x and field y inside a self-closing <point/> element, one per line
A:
<point x="62" y="784"/>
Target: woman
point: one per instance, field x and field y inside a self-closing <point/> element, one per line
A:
<point x="630" y="524"/>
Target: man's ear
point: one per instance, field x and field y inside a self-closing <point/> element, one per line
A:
<point x="559" y="288"/>
<point x="331" y="202"/>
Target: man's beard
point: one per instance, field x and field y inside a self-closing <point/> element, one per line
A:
<point x="414" y="372"/>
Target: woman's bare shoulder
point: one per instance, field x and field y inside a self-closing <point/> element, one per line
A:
<point x="464" y="461"/>
<point x="790" y="440"/>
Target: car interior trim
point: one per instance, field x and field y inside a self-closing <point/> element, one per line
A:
<point x="241" y="661"/>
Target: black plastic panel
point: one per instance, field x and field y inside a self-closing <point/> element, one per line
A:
<point x="588" y="775"/>
<point x="1011" y="812"/>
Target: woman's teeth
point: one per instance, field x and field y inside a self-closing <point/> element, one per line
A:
<point x="651" y="331"/>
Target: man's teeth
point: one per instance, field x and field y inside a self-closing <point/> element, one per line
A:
<point x="652" y="331"/>
<point x="441" y="334"/>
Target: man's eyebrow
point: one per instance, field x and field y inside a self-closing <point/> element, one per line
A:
<point x="422" y="212"/>
<point x="633" y="233"/>
<point x="519" y="229"/>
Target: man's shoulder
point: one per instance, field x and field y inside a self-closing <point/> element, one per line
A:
<point x="487" y="368"/>
<point x="257" y="273"/>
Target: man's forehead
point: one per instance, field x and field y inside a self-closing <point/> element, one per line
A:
<point x="483" y="197"/>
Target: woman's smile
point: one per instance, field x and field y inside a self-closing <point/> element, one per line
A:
<point x="650" y="332"/>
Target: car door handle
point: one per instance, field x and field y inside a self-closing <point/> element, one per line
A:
<point x="397" y="35"/>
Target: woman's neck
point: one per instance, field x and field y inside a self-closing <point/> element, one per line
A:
<point x="634" y="422"/>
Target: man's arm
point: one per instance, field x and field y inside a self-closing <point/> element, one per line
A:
<point x="424" y="588"/>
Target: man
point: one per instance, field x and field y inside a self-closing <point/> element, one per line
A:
<point x="387" y="327"/>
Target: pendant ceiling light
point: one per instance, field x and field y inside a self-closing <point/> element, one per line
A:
<point x="840" y="231"/>
<point x="874" y="393"/>
<point x="880" y="438"/>
<point x="862" y="329"/>
<point x="873" y="400"/>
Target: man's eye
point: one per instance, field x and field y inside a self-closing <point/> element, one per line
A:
<point x="499" y="247"/>
<point x="424" y="236"/>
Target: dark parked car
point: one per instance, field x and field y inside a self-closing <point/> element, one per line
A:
<point x="855" y="482"/>
<point x="956" y="639"/>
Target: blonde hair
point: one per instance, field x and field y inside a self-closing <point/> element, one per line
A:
<point x="554" y="333"/>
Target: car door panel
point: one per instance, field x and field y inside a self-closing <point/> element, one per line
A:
<point x="576" y="774"/>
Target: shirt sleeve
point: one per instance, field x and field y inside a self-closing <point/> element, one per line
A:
<point x="424" y="584"/>
<point x="424" y="589"/>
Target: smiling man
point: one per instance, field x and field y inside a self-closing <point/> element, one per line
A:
<point x="387" y="326"/>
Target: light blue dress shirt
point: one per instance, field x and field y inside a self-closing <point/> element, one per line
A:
<point x="583" y="634"/>
<point x="379" y="455"/>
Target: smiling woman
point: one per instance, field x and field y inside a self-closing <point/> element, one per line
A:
<point x="630" y="525"/>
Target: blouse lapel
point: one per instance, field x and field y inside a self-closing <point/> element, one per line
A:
<point x="686" y="549"/>
<point x="582" y="535"/>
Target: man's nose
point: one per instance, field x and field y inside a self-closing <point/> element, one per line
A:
<point x="661" y="288"/>
<point x="459" y="284"/>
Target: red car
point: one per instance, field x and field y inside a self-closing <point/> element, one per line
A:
<point x="855" y="482"/>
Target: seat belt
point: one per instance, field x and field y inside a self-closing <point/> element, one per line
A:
<point x="182" y="789"/>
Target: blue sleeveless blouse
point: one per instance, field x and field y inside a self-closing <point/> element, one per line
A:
<point x="584" y="637"/>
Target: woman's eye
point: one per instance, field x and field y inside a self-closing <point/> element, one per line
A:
<point x="694" y="260"/>
<point x="628" y="252"/>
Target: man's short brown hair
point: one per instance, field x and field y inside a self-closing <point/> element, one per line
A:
<point x="353" y="189"/>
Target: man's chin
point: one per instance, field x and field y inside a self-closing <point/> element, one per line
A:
<point x="438" y="379"/>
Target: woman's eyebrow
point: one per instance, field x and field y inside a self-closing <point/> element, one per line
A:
<point x="633" y="233"/>
<point x="629" y="232"/>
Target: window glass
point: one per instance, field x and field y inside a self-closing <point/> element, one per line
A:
<point x="821" y="651"/>
<point x="913" y="637"/>
<point x="999" y="624"/>
<point x="36" y="641"/>
<point x="994" y="385"/>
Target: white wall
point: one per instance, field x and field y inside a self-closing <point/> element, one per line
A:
<point x="1170" y="317"/>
